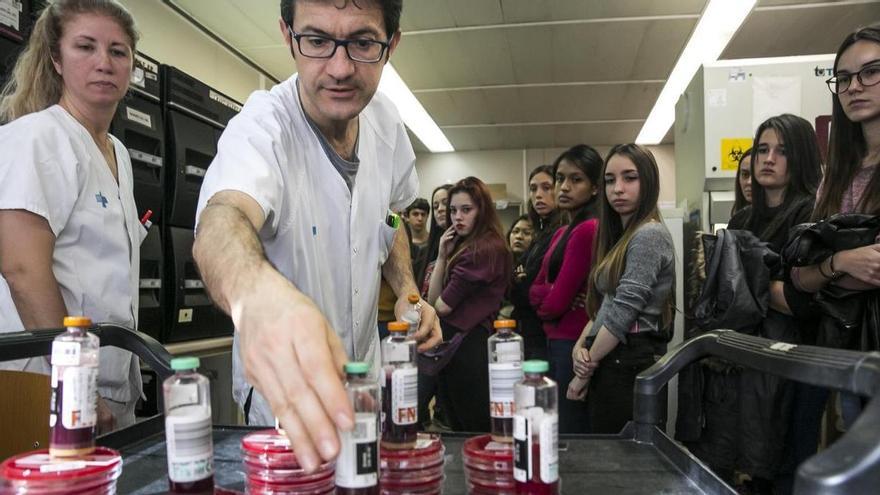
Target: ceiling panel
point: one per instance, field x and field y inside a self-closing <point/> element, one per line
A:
<point x="809" y="31"/>
<point x="488" y="83"/>
<point x="604" y="51"/>
<point x="559" y="10"/>
<point x="537" y="104"/>
<point x="552" y="136"/>
<point x="241" y="24"/>
<point x="421" y="15"/>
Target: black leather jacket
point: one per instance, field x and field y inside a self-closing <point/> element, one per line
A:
<point x="850" y="319"/>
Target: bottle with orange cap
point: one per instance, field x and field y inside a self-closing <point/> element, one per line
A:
<point x="505" y="369"/>
<point x="73" y="407"/>
<point x="400" y="389"/>
<point x="413" y="315"/>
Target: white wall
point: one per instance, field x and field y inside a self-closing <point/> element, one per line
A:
<point x="511" y="167"/>
<point x="171" y="39"/>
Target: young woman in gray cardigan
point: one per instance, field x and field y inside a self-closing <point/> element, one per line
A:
<point x="631" y="297"/>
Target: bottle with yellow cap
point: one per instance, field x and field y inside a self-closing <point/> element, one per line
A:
<point x="73" y="407"/>
<point x="400" y="388"/>
<point x="505" y="369"/>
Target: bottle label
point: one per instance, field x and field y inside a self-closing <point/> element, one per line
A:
<point x="66" y="353"/>
<point x="506" y="352"/>
<point x="182" y="394"/>
<point x="405" y="396"/>
<point x="395" y="352"/>
<point x="79" y="397"/>
<point x="502" y="378"/>
<point x="189" y="444"/>
<point x="522" y="449"/>
<point x="549" y="439"/>
<point x="358" y="463"/>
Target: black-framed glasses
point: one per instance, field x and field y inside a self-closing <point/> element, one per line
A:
<point x="319" y="46"/>
<point x="867" y="76"/>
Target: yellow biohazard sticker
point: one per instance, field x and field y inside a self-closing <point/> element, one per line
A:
<point x="732" y="150"/>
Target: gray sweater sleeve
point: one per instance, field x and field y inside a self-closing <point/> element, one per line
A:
<point x="644" y="286"/>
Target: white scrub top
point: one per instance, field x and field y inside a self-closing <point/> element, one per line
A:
<point x="51" y="166"/>
<point x="329" y="241"/>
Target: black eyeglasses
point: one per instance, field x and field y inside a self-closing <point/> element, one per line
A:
<point x="318" y="46"/>
<point x="867" y="76"/>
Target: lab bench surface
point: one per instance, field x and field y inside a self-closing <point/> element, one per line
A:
<point x="587" y="464"/>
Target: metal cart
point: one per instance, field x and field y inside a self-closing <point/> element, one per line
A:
<point x="642" y="459"/>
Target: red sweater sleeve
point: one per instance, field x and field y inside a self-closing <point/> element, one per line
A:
<point x="576" y="263"/>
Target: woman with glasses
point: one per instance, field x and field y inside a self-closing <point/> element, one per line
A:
<point x="852" y="184"/>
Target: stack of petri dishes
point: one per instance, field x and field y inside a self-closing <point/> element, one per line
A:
<point x="38" y="474"/>
<point x="415" y="471"/>
<point x="488" y="466"/>
<point x="271" y="467"/>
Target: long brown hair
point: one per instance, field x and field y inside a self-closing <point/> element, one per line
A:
<point x="613" y="238"/>
<point x="35" y="85"/>
<point x="486" y="239"/>
<point x="847" y="148"/>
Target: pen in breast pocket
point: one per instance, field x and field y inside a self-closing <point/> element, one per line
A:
<point x="145" y="220"/>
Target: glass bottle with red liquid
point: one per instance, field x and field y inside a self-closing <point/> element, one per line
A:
<point x="400" y="394"/>
<point x="536" y="432"/>
<point x="188" y="429"/>
<point x="505" y="370"/>
<point x="357" y="467"/>
<point x="73" y="407"/>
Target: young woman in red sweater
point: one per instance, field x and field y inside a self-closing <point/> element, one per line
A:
<point x="564" y="273"/>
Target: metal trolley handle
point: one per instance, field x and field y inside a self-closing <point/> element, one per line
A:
<point x="35" y="343"/>
<point x="851" y="465"/>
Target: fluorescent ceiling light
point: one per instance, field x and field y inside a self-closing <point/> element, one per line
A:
<point x="719" y="22"/>
<point x="412" y="112"/>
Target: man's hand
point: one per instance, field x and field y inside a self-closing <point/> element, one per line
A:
<point x="429" y="333"/>
<point x="295" y="360"/>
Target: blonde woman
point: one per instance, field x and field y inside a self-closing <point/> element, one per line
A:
<point x="69" y="230"/>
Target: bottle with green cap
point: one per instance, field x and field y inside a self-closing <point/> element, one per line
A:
<point x="357" y="467"/>
<point x="188" y="440"/>
<point x="536" y="432"/>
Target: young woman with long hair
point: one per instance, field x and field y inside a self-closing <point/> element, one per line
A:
<point x="468" y="284"/>
<point x="438" y="219"/>
<point x="631" y="298"/>
<point x="774" y="415"/>
<point x="743" y="184"/>
<point x="69" y="229"/>
<point x="564" y="272"/>
<point x="852" y="183"/>
<point x="545" y="220"/>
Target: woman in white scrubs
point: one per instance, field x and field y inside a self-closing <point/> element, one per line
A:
<point x="69" y="230"/>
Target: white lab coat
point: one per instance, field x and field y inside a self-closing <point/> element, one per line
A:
<point x="329" y="241"/>
<point x="51" y="166"/>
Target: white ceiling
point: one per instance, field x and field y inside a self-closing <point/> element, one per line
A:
<point x="499" y="74"/>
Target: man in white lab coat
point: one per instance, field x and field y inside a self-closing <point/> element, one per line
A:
<point x="294" y="223"/>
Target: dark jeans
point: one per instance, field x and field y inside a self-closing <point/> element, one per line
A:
<point x="610" y="397"/>
<point x="573" y="416"/>
<point x="464" y="384"/>
<point x="803" y="432"/>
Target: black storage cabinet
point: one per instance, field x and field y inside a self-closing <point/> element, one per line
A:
<point x="195" y="116"/>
